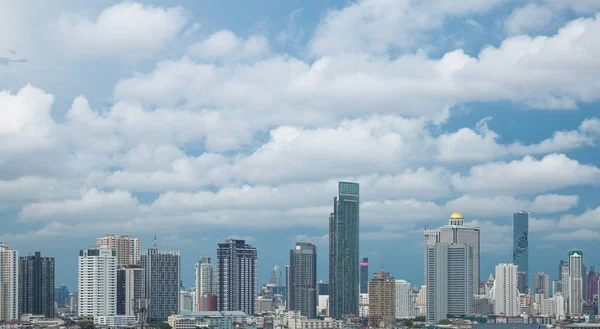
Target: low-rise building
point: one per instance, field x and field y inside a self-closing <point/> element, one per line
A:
<point x="327" y="323"/>
<point x="115" y="320"/>
<point x="16" y="325"/>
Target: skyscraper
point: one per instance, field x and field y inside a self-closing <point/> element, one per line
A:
<point x="507" y="300"/>
<point x="404" y="307"/>
<point x="541" y="284"/>
<point x="275" y="276"/>
<point x="303" y="279"/>
<point x="131" y="289"/>
<point x="9" y="283"/>
<point x="163" y="275"/>
<point x="457" y="232"/>
<point x="575" y="299"/>
<point x="364" y="276"/>
<point x="36" y="285"/>
<point x="61" y="294"/>
<point x="97" y="294"/>
<point x="521" y="247"/>
<point x="127" y="248"/>
<point x="204" y="272"/>
<point x="382" y="300"/>
<point x="343" y="252"/>
<point x="592" y="284"/>
<point x="236" y="265"/>
<point x="450" y="281"/>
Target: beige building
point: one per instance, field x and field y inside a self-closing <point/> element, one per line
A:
<point x="9" y="284"/>
<point x="382" y="300"/>
<point x="127" y="248"/>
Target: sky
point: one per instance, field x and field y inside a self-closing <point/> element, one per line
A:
<point x="199" y="121"/>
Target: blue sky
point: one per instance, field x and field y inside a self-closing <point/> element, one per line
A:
<point x="200" y="121"/>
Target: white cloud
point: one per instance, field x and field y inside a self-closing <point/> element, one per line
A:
<point x="579" y="6"/>
<point x="549" y="203"/>
<point x="578" y="235"/>
<point x="527" y="176"/>
<point x="378" y="25"/>
<point x="127" y="29"/>
<point x="493" y="236"/>
<point x="225" y="45"/>
<point x="590" y="218"/>
<point x="91" y="206"/>
<point x="531" y="17"/>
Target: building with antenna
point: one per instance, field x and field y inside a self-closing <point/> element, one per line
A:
<point x="163" y="276"/>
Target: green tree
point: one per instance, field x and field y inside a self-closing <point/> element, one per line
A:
<point x="159" y="325"/>
<point x="445" y="321"/>
<point x="86" y="325"/>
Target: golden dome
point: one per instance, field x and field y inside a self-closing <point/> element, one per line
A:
<point x="456" y="215"/>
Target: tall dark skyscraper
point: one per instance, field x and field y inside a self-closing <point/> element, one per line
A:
<point x="36" y="285"/>
<point x="237" y="276"/>
<point x="364" y="276"/>
<point x="163" y="275"/>
<point x="521" y="248"/>
<point x="303" y="279"/>
<point x="343" y="252"/>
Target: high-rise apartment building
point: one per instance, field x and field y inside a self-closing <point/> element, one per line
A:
<point x="275" y="278"/>
<point x="507" y="301"/>
<point x="127" y="248"/>
<point x="450" y="281"/>
<point x="382" y="300"/>
<point x="592" y="284"/>
<point x="364" y="276"/>
<point x="521" y="248"/>
<point x="36" y="285"/>
<point x="457" y="232"/>
<point x="204" y="280"/>
<point x="131" y="289"/>
<point x="163" y="276"/>
<point x="404" y="306"/>
<point x="303" y="279"/>
<point x="97" y="293"/>
<point x="236" y="265"/>
<point x="9" y="283"/>
<point x="541" y="284"/>
<point x="343" y="252"/>
<point x="575" y="298"/>
<point x="564" y="279"/>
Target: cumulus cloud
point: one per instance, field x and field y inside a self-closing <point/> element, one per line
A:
<point x="127" y="30"/>
<point x="578" y="235"/>
<point x="531" y="17"/>
<point x="224" y="45"/>
<point x="588" y="219"/>
<point x="526" y="176"/>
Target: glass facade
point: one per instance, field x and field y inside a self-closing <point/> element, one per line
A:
<point x="364" y="276"/>
<point x="343" y="252"/>
<point x="303" y="279"/>
<point x="521" y="246"/>
<point x="36" y="285"/>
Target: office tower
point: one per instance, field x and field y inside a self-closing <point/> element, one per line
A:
<point x="382" y="300"/>
<point x="563" y="269"/>
<point x="450" y="281"/>
<point x="186" y="301"/>
<point x="541" y="284"/>
<point x="431" y="237"/>
<point x="303" y="279"/>
<point x="74" y="302"/>
<point x="97" y="294"/>
<point x="204" y="278"/>
<point x="127" y="248"/>
<point x="36" y="285"/>
<point x="275" y="276"/>
<point x="521" y="247"/>
<point x="556" y="287"/>
<point x="208" y="303"/>
<point x="236" y="263"/>
<point x="9" y="283"/>
<point x="592" y="284"/>
<point x="364" y="276"/>
<point x="343" y="252"/>
<point x="163" y="275"/>
<point x="507" y="300"/>
<point x="404" y="305"/>
<point x="287" y="287"/>
<point x="131" y="289"/>
<point x="575" y="299"/>
<point x="62" y="296"/>
<point x="457" y="232"/>
<point x="584" y="282"/>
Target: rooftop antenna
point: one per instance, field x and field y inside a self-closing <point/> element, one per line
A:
<point x="154" y="241"/>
